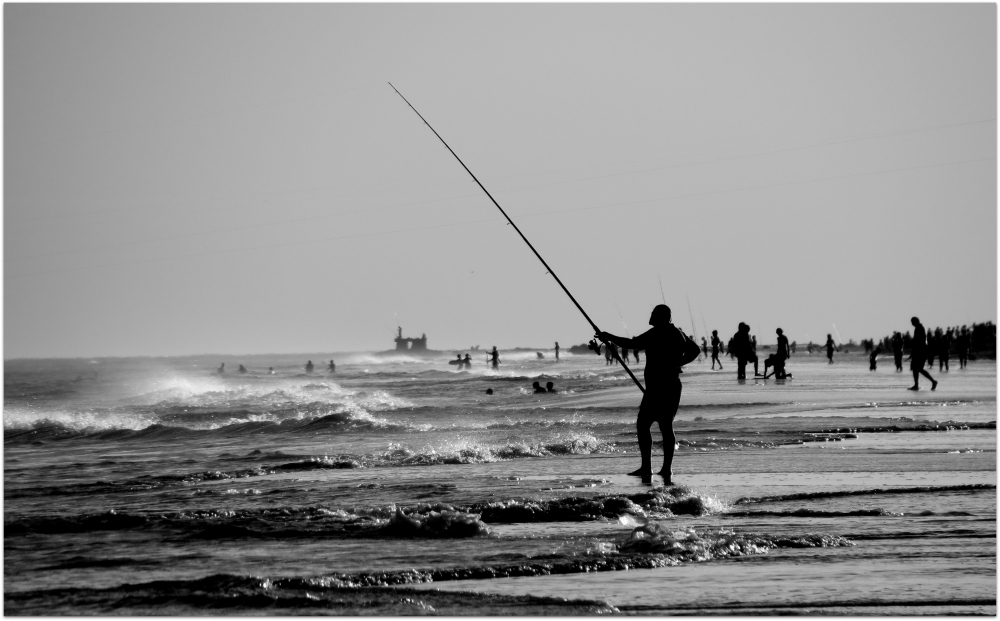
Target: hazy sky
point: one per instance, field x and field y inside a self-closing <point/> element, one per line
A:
<point x="233" y="178"/>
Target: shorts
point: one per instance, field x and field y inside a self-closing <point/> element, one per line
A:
<point x="660" y="403"/>
<point x="917" y="364"/>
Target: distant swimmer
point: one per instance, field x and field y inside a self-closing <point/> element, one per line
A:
<point x="539" y="355"/>
<point x="830" y="347"/>
<point x="468" y="361"/>
<point x="538" y="389"/>
<point x="742" y="346"/>
<point x="332" y="368"/>
<point x="489" y="391"/>
<point x="557" y="350"/>
<point x="716" y="346"/>
<point x="243" y="369"/>
<point x="918" y="355"/>
<point x="873" y="359"/>
<point x="309" y="366"/>
<point x="897" y="350"/>
<point x="494" y="358"/>
<point x="458" y="360"/>
<point x="550" y="387"/>
<point x="222" y="368"/>
<point x="664" y="345"/>
<point x="270" y="370"/>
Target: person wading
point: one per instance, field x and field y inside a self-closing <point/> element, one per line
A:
<point x="665" y="346"/>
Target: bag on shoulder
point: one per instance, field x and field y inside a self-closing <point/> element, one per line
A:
<point x="690" y="350"/>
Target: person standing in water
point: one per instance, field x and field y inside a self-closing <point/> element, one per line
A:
<point x="332" y="368"/>
<point x="494" y="358"/>
<point x="309" y="366"/>
<point x="557" y="351"/>
<point x="222" y="368"/>
<point x="897" y="350"/>
<point x="830" y="346"/>
<point x="664" y="345"/>
<point x="918" y="355"/>
<point x="716" y="345"/>
<point x="743" y="348"/>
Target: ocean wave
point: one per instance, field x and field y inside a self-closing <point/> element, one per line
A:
<point x="924" y="489"/>
<point x="816" y="513"/>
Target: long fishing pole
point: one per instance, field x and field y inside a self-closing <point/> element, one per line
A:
<point x="511" y="222"/>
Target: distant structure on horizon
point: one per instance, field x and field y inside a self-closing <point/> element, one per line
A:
<point x="410" y="344"/>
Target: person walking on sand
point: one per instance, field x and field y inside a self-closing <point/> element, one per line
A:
<point x="716" y="345"/>
<point x="830" y="346"/>
<point x="918" y="355"/>
<point x="664" y="345"/>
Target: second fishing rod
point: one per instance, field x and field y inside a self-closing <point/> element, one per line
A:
<point x="511" y="222"/>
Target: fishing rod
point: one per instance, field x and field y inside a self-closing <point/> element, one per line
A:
<point x="511" y="222"/>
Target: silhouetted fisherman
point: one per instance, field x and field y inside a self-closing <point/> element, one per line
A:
<point x="242" y="369"/>
<point x="873" y="359"/>
<point x="468" y="361"/>
<point x="830" y="346"/>
<point x="897" y="350"/>
<point x="716" y="345"/>
<point x="538" y="389"/>
<point x="742" y="346"/>
<point x="494" y="358"/>
<point x="918" y="355"/>
<point x="557" y="350"/>
<point x="550" y="387"/>
<point x="664" y="345"/>
<point x="332" y="368"/>
<point x="309" y="366"/>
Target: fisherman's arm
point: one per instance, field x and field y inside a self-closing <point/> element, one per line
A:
<point x="630" y="343"/>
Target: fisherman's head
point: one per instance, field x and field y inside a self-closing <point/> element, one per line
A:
<point x="715" y="333"/>
<point x="914" y="321"/>
<point x="779" y="331"/>
<point x="744" y="327"/>
<point x="660" y="315"/>
<point x="534" y="384"/>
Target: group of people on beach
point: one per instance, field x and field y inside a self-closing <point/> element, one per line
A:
<point x="330" y="368"/>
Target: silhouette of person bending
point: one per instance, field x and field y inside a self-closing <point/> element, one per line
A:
<point x="664" y="345"/>
<point x="918" y="355"/>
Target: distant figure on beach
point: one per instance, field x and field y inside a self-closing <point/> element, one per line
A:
<point x="729" y="349"/>
<point x="309" y="366"/>
<point x="468" y="361"/>
<point x="918" y="355"/>
<point x="792" y="348"/>
<point x="743" y="347"/>
<point x="664" y="345"/>
<point x="704" y="347"/>
<point x="550" y="387"/>
<point x="931" y="349"/>
<point x="222" y="368"/>
<point x="538" y="389"/>
<point x="716" y="345"/>
<point x="635" y="352"/>
<point x="963" y="344"/>
<point x="830" y="346"/>
<point x="332" y="368"/>
<point x="494" y="357"/>
<point x="270" y="370"/>
<point x="873" y="359"/>
<point x="944" y="348"/>
<point x="897" y="350"/>
<point x="777" y="359"/>
<point x="243" y="369"/>
<point x="753" y="342"/>
<point x="607" y="354"/>
<point x="557" y="351"/>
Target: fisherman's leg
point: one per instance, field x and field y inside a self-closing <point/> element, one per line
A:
<point x="666" y="422"/>
<point x="642" y="425"/>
